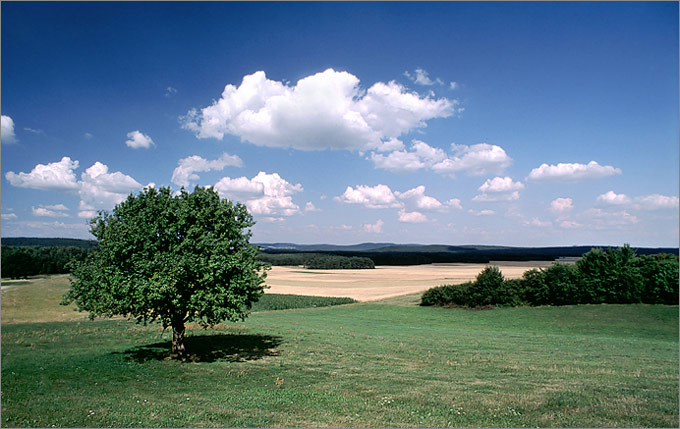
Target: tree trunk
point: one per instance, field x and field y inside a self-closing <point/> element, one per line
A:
<point x="178" y="339"/>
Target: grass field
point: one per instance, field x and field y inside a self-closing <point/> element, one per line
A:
<point x="382" y="364"/>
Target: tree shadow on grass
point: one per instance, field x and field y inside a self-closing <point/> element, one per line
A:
<point x="211" y="348"/>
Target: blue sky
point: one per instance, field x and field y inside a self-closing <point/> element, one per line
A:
<point x="526" y="124"/>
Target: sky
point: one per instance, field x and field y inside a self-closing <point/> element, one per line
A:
<point x="520" y="123"/>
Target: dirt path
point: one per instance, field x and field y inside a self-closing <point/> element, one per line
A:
<point x="383" y="281"/>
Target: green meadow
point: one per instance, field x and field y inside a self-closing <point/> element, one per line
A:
<point x="390" y="363"/>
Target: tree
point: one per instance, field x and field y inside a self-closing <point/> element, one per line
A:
<point x="170" y="258"/>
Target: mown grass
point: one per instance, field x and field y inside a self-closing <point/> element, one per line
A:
<point x="362" y="365"/>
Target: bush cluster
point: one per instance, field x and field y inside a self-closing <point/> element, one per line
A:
<point x="614" y="276"/>
<point x="318" y="261"/>
<point x="22" y="262"/>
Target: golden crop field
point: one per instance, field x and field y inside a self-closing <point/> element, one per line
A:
<point x="383" y="281"/>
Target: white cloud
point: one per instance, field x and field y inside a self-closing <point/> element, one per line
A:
<point x="310" y="207"/>
<point x="537" y="222"/>
<point x="411" y="217"/>
<point x="34" y="131"/>
<point x="499" y="189"/>
<point x="88" y="136"/>
<point x="570" y="224"/>
<point x="656" y="201"/>
<point x="430" y="155"/>
<point x="8" y="216"/>
<point x="644" y="202"/>
<point x="324" y="110"/>
<point x="601" y="219"/>
<point x="572" y="172"/>
<point x="137" y="140"/>
<point x="100" y="189"/>
<point x="391" y="145"/>
<point x="7" y="130"/>
<point x="398" y="162"/>
<point x="374" y="228"/>
<point x="560" y="205"/>
<point x="376" y="197"/>
<point x="453" y="85"/>
<point x="613" y="198"/>
<point x="454" y="203"/>
<point x="60" y="207"/>
<point x="170" y="91"/>
<point x="476" y="160"/>
<point x="508" y="196"/>
<point x="422" y="78"/>
<point x="44" y="212"/>
<point x="185" y="173"/>
<point x="264" y="194"/>
<point x="485" y="212"/>
<point x="501" y="184"/>
<point x="55" y="176"/>
<point x="87" y="214"/>
<point x="416" y="197"/>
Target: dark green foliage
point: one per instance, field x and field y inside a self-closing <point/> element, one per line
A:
<point x="660" y="278"/>
<point x="413" y="254"/>
<point x="275" y="301"/>
<point x="171" y="258"/>
<point x="562" y="284"/>
<point x="334" y="262"/>
<point x="614" y="276"/>
<point x="484" y="290"/>
<point x="511" y="293"/>
<point x="534" y="288"/>
<point x="610" y="276"/>
<point x="447" y="295"/>
<point x="22" y="262"/>
<point x="318" y="261"/>
<point x="48" y="242"/>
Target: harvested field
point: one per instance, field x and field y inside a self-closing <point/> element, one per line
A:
<point x="383" y="281"/>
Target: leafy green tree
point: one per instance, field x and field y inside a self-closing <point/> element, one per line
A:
<point x="485" y="289"/>
<point x="611" y="276"/>
<point x="170" y="258"/>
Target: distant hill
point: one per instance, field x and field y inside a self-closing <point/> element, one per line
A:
<point x="322" y="247"/>
<point x="386" y="253"/>
<point x="416" y="254"/>
<point x="48" y="242"/>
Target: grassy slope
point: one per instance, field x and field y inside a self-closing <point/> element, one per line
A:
<point x="372" y="365"/>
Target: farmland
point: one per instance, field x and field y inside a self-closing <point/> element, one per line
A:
<point x="384" y="362"/>
<point x="382" y="282"/>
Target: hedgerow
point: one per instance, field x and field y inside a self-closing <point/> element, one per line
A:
<point x="614" y="276"/>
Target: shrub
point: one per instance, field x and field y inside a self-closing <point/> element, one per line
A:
<point x="511" y="293"/>
<point x="485" y="289"/>
<point x="615" y="276"/>
<point x="562" y="282"/>
<point x="659" y="278"/>
<point x="534" y="288"/>
<point x="612" y="276"/>
<point x="446" y="295"/>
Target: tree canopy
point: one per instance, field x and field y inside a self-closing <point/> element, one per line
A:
<point x="172" y="258"/>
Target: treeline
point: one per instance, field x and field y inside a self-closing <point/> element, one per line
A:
<point x="614" y="276"/>
<point x="22" y="262"/>
<point x="470" y="255"/>
<point x="319" y="261"/>
<point x="48" y="242"/>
